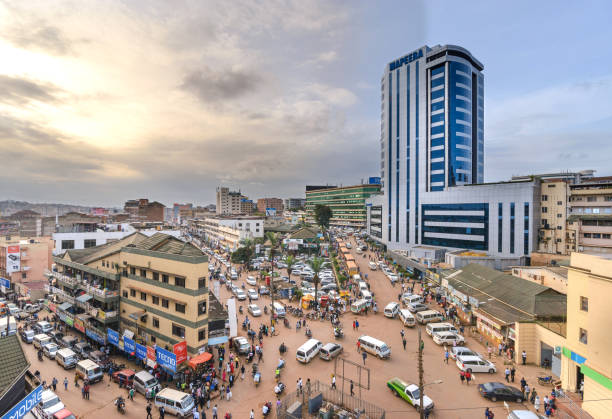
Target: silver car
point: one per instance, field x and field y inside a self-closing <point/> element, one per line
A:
<point x="50" y="349"/>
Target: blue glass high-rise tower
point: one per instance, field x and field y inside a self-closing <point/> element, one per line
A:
<point x="432" y="133"/>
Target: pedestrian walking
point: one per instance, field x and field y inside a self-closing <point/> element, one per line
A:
<point x="527" y="390"/>
<point x="66" y="383"/>
<point x="468" y="377"/>
<point x="507" y="374"/>
<point x="214" y="411"/>
<point x="446" y="355"/>
<point x="352" y="385"/>
<point x="148" y="409"/>
<point x="195" y="413"/>
<point x="242" y="372"/>
<point x="76" y="380"/>
<point x="252" y="415"/>
<point x="357" y="325"/>
<point x="462" y="376"/>
<point x="353" y="324"/>
<point x="131" y="394"/>
<point x="54" y="383"/>
<point x="490" y="350"/>
<point x="300" y="385"/>
<point x="358" y="345"/>
<point x="512" y="372"/>
<point x="523" y="384"/>
<point x="364" y="355"/>
<point x="404" y="343"/>
<point x="500" y="348"/>
<point x="524" y="357"/>
<point x="333" y="381"/>
<point x="162" y="412"/>
<point x="536" y="403"/>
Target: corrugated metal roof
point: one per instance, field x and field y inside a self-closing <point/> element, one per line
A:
<point x="14" y="362"/>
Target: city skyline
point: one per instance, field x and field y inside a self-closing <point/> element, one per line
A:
<point x="141" y="99"/>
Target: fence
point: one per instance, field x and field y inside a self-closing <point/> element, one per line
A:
<point x="340" y="400"/>
<point x="568" y="408"/>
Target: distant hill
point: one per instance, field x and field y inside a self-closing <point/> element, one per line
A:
<point x="9" y="207"/>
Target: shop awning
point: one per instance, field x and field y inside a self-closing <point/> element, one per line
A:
<point x="137" y="315"/>
<point x="218" y="340"/>
<point x="65" y="306"/>
<point x="200" y="359"/>
<point x="84" y="298"/>
<point x="83" y="316"/>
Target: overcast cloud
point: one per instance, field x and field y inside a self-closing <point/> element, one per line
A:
<point x="105" y="101"/>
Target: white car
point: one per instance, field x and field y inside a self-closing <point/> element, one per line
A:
<point x="254" y="310"/>
<point x="296" y="272"/>
<point x="50" y="349"/>
<point x="251" y="280"/>
<point x="253" y="294"/>
<point x="448" y="338"/>
<point x="49" y="404"/>
<point x="240" y="295"/>
<point x="462" y="351"/>
<point x="475" y="364"/>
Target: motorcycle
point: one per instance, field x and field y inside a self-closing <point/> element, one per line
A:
<point x="40" y="356"/>
<point x="265" y="309"/>
<point x="281" y="364"/>
<point x="282" y="348"/>
<point x="548" y="380"/>
<point x="338" y="332"/>
<point x="240" y="309"/>
<point x="286" y="323"/>
<point x="279" y="388"/>
<point x="308" y="333"/>
<point x="266" y="409"/>
<point x="120" y="403"/>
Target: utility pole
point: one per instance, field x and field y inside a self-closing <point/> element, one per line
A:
<point x="421" y="346"/>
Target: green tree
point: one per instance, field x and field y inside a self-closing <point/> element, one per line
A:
<point x="323" y="214"/>
<point x="242" y="255"/>
<point x="274" y="241"/>
<point x="290" y="261"/>
<point x="316" y="264"/>
<point x="249" y="246"/>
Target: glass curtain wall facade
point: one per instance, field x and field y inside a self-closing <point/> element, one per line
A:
<point x="347" y="203"/>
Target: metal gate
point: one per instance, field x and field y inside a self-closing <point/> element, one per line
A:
<point x="556" y="365"/>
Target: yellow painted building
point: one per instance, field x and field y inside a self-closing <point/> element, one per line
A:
<point x="156" y="287"/>
<point x="587" y="353"/>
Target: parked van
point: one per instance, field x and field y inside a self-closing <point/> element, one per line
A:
<point x="69" y="341"/>
<point x="145" y="382"/>
<point x="373" y="266"/>
<point x="41" y="340"/>
<point x="440" y="327"/>
<point x="279" y="310"/>
<point x="411" y="298"/>
<point x="87" y="369"/>
<point x="428" y="316"/>
<point x="391" y="310"/>
<point x="44" y="327"/>
<point x="66" y="358"/>
<point x="308" y="350"/>
<point x="406" y="318"/>
<point x="363" y="286"/>
<point x="359" y="306"/>
<point x="366" y="295"/>
<point x="175" y="402"/>
<point x="374" y="346"/>
<point x="357" y="278"/>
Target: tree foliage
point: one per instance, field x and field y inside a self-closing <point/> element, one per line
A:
<point x="322" y="214"/>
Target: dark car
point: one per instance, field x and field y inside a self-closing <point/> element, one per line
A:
<point x="56" y="336"/>
<point x="126" y="376"/>
<point x="83" y="349"/>
<point x="499" y="391"/>
<point x="98" y="357"/>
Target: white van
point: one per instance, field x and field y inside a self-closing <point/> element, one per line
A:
<point x="143" y="382"/>
<point x="440" y="327"/>
<point x="279" y="310"/>
<point x="66" y="358"/>
<point x="41" y="340"/>
<point x="411" y="298"/>
<point x="357" y="278"/>
<point x="373" y="266"/>
<point x="308" y="350"/>
<point x="366" y="295"/>
<point x="363" y="286"/>
<point x="87" y="369"/>
<point x="374" y="346"/>
<point x="428" y="316"/>
<point x="175" y="402"/>
<point x="391" y="310"/>
<point x="44" y="327"/>
<point x="406" y="318"/>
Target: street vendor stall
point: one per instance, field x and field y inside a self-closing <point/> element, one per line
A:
<point x="307" y="301"/>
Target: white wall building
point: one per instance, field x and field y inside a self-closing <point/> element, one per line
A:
<point x="229" y="232"/>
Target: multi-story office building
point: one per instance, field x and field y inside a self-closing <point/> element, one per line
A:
<point x="231" y="202"/>
<point x="227" y="232"/>
<point x="432" y="162"/>
<point x="156" y="287"/>
<point x="276" y="204"/>
<point x="347" y="203"/>
<point x="554" y="200"/>
<point x="144" y="210"/>
<point x="295" y="203"/>
<point x="23" y="261"/>
<point x="589" y="225"/>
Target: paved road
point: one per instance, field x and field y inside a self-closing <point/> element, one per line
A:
<point x="451" y="398"/>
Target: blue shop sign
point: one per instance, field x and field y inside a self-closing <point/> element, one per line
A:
<point x="129" y="345"/>
<point x="5" y="283"/>
<point x="25" y="405"/>
<point x="93" y="335"/>
<point x="165" y="359"/>
<point x="113" y="337"/>
<point x="141" y="351"/>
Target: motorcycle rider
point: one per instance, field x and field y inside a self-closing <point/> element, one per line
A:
<point x="120" y="403"/>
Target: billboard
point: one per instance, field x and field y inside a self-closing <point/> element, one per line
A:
<point x="5" y="284"/>
<point x="129" y="345"/>
<point x="180" y="350"/>
<point x="141" y="351"/>
<point x="374" y="180"/>
<point x="165" y="359"/>
<point x="270" y="212"/>
<point x="13" y="259"/>
<point x="25" y="405"/>
<point x="112" y="336"/>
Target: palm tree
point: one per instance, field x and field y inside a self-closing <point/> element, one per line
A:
<point x="290" y="261"/>
<point x="248" y="244"/>
<point x="316" y="264"/>
<point x="273" y="239"/>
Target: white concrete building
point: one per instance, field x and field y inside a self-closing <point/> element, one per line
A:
<point x="228" y="232"/>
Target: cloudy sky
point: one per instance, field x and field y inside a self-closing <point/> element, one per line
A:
<point x="103" y="101"/>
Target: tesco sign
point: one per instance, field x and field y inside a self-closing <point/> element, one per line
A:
<point x="25" y="405"/>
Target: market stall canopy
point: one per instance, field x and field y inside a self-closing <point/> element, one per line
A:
<point x="84" y="298"/>
<point x="65" y="306"/>
<point x="199" y="359"/>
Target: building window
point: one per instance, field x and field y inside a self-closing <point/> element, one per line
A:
<point x="155" y="276"/>
<point x="179" y="281"/>
<point x="591" y="198"/>
<point x="178" y="330"/>
<point x="132" y="270"/>
<point x="164" y="278"/>
<point x="202" y="283"/>
<point x="500" y="230"/>
<point x="587" y="235"/>
<point x="89" y="243"/>
<point x="583" y="338"/>
<point x="165" y="303"/>
<point x="143" y="296"/>
<point x="155" y="299"/>
<point x="544" y="197"/>
<point x="24" y="275"/>
<point x="584" y="304"/>
<point x="143" y="273"/>
<point x="125" y="294"/>
<point x="202" y="334"/>
<point x="559" y="202"/>
<point x="201" y="308"/>
<point x="67" y="244"/>
<point x="526" y="229"/>
<point x="544" y="210"/>
<point x="153" y="339"/>
<point x="124" y="272"/>
<point x="512" y="211"/>
<point x="179" y="307"/>
<point x="132" y="293"/>
<point x="156" y="322"/>
<point x="605" y="236"/>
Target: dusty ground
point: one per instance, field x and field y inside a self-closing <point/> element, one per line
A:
<point x="451" y="398"/>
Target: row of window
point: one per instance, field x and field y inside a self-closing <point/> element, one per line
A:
<point x="586" y="210"/>
<point x="596" y="236"/>
<point x="165" y="303"/>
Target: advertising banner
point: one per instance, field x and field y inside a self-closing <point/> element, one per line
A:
<point x="93" y="335"/>
<point x="25" y="405"/>
<point x="79" y="325"/>
<point x="141" y="351"/>
<point x="151" y="353"/>
<point x="13" y="259"/>
<point x="270" y="212"/>
<point x="69" y="321"/>
<point x="5" y="284"/>
<point x="129" y="345"/>
<point x="165" y="359"/>
<point x="52" y="307"/>
<point x="112" y="336"/>
<point x="180" y="350"/>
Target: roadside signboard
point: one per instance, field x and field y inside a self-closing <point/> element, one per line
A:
<point x="25" y="405"/>
<point x="180" y="350"/>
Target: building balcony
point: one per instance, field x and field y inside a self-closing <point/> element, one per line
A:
<point x="64" y="279"/>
